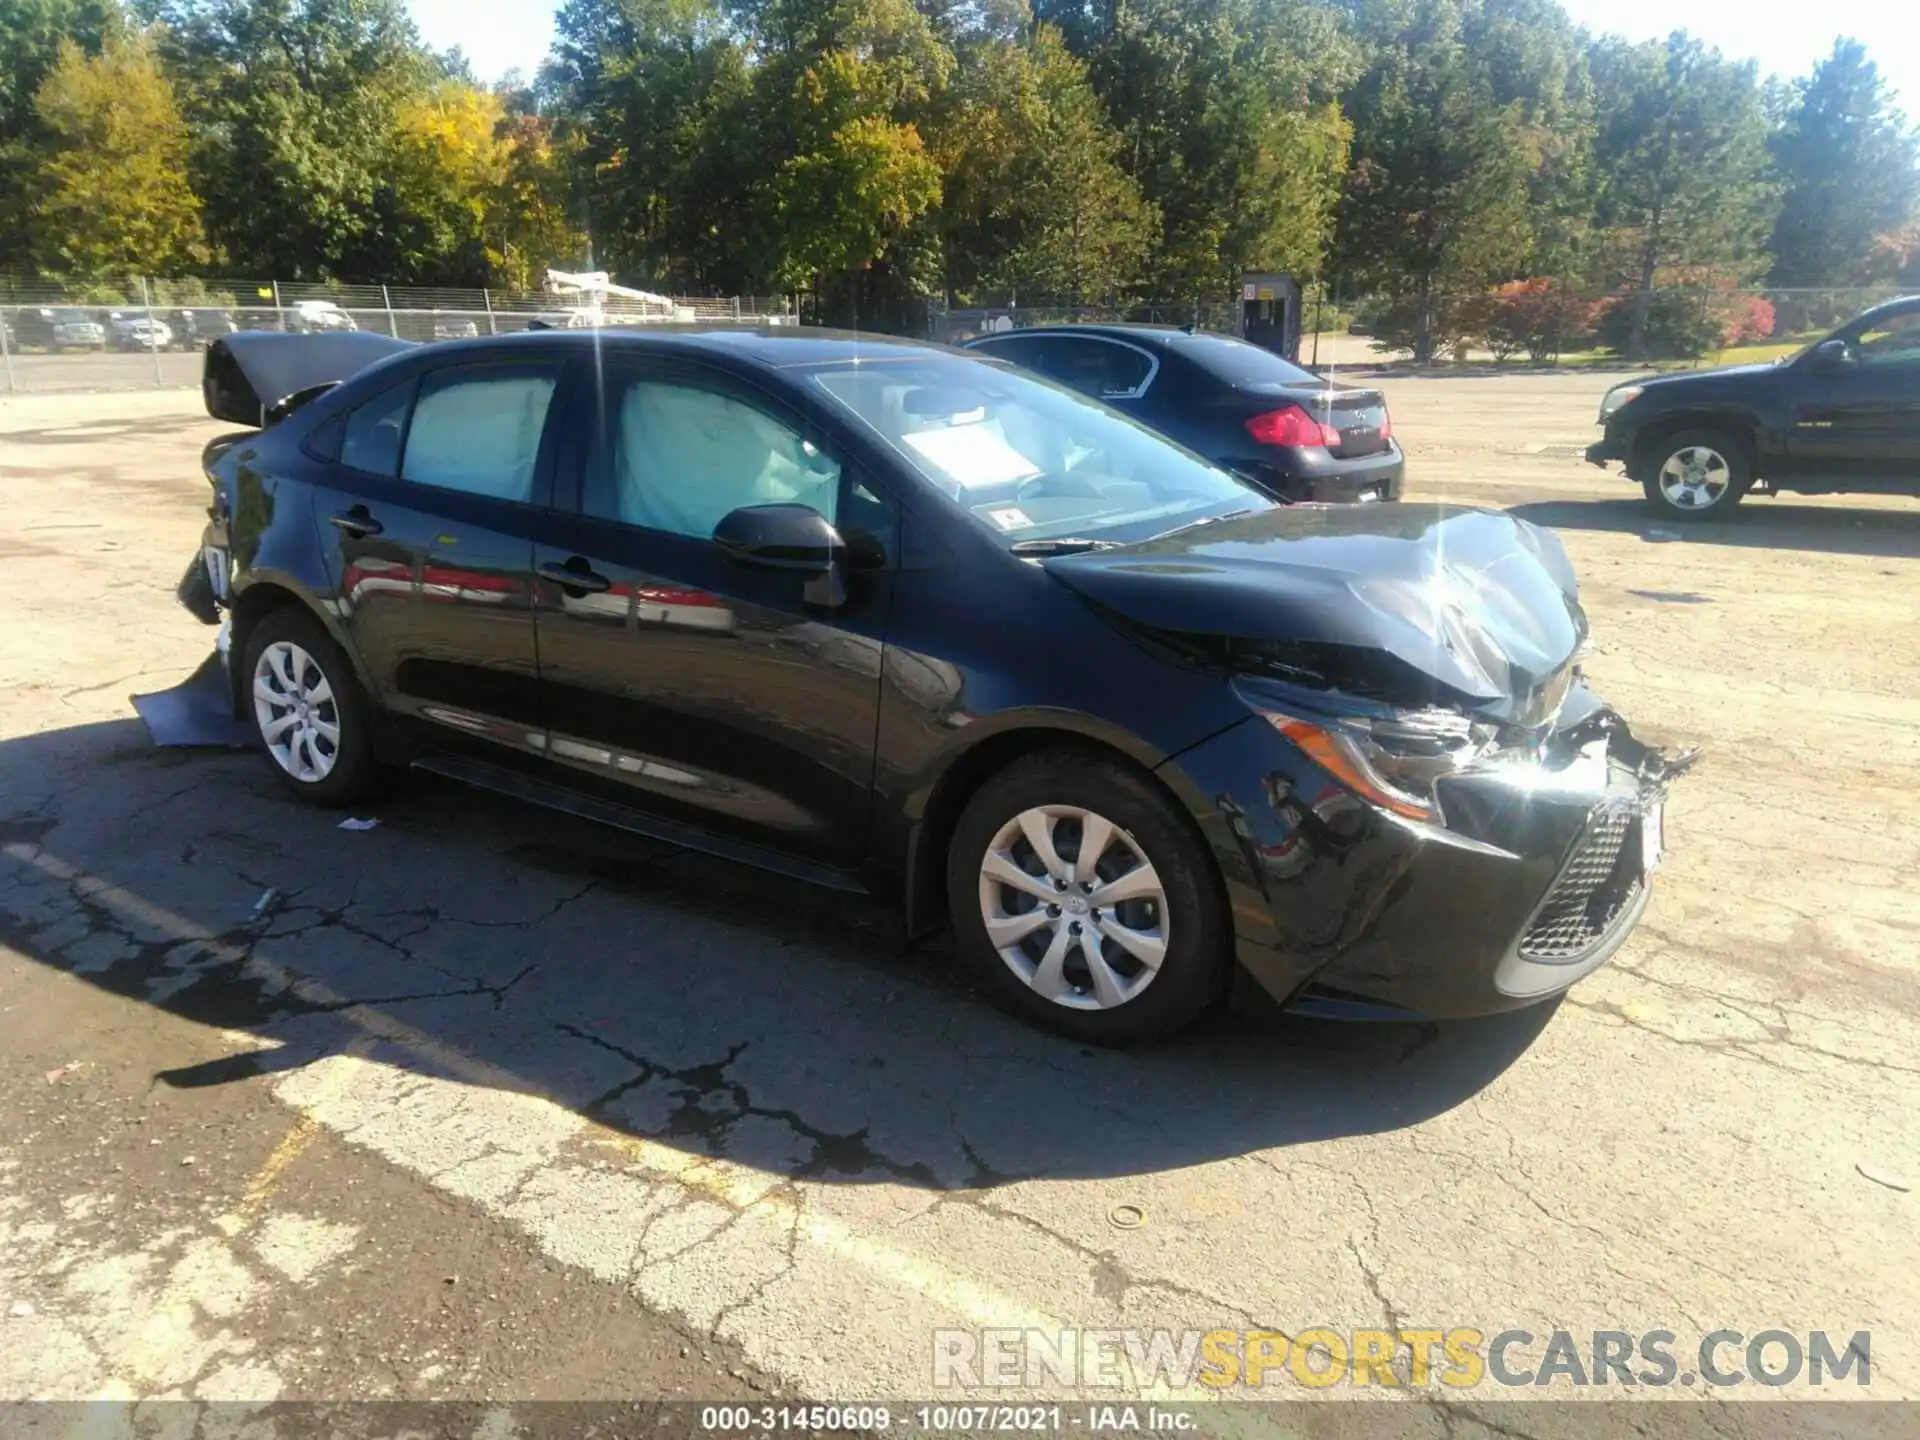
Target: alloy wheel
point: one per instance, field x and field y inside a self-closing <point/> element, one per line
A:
<point x="1696" y="477"/>
<point x="299" y="717"/>
<point x="1074" y="907"/>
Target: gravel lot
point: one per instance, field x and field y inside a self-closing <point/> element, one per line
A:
<point x="490" y="1104"/>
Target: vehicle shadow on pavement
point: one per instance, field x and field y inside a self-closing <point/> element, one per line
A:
<point x="1764" y="523"/>
<point x="698" y="1004"/>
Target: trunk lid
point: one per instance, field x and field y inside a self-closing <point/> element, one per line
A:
<point x="248" y="373"/>
<point x="1409" y="604"/>
<point x="1358" y="414"/>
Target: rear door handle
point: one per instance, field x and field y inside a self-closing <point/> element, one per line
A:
<point x="357" y="523"/>
<point x="575" y="574"/>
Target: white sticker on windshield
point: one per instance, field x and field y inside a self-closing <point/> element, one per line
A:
<point x="974" y="455"/>
<point x="1010" y="518"/>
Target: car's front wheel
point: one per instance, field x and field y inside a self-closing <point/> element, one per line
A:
<point x="308" y="710"/>
<point x="1695" y="474"/>
<point x="1084" y="901"/>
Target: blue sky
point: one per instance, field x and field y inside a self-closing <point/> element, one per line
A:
<point x="1785" y="36"/>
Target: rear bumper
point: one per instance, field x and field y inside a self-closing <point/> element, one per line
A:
<point x="1539" y="878"/>
<point x="1320" y="477"/>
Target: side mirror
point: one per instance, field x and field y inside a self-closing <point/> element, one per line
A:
<point x="1835" y="354"/>
<point x="794" y="538"/>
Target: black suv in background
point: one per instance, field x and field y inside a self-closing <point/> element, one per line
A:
<point x="1841" y="415"/>
<point x="1295" y="434"/>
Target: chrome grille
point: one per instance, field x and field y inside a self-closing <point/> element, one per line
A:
<point x="1597" y="884"/>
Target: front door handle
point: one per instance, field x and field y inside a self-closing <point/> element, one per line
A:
<point x="577" y="575"/>
<point x="357" y="523"/>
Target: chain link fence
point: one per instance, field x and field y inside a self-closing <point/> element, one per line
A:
<point x="145" y="331"/>
<point x="1531" y="322"/>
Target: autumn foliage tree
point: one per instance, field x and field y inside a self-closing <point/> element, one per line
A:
<point x="112" y="195"/>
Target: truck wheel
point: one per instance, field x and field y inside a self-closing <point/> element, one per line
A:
<point x="1693" y="474"/>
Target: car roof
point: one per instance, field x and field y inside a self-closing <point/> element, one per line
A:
<point x="778" y="347"/>
<point x="1110" y="330"/>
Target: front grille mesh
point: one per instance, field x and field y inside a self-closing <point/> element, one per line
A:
<point x="1598" y="884"/>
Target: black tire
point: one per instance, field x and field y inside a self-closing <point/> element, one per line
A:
<point x="1192" y="973"/>
<point x="1715" y="455"/>
<point x="354" y="771"/>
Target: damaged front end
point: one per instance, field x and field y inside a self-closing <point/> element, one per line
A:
<point x="1435" y="812"/>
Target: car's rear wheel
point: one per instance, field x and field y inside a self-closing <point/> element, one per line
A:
<point x="308" y="710"/>
<point x="1696" y="473"/>
<point x="1084" y="902"/>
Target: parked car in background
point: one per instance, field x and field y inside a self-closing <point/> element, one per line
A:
<point x="893" y="618"/>
<point x="70" y="329"/>
<point x="136" y="330"/>
<point x="194" y="326"/>
<point x="452" y="327"/>
<point x="1294" y="434"/>
<point x="1841" y="415"/>
<point x="314" y="316"/>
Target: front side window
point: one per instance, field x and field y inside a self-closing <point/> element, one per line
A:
<point x="678" y="457"/>
<point x="478" y="430"/>
<point x="1894" y="340"/>
<point x="1028" y="459"/>
<point x="374" y="431"/>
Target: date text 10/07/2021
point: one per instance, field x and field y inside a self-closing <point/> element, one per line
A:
<point x="938" y="1419"/>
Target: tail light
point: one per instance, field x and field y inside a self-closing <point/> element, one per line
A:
<point x="1386" y="425"/>
<point x="1290" y="425"/>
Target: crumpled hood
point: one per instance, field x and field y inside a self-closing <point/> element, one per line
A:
<point x="1482" y="603"/>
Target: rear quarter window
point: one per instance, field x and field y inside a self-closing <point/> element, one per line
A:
<point x="1237" y="363"/>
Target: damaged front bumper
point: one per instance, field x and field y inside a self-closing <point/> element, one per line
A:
<point x="1541" y="871"/>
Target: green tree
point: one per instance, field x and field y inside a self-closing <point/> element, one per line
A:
<point x="1230" y="126"/>
<point x="31" y="34"/>
<point x="1682" y="143"/>
<point x="1035" y="197"/>
<point x="1850" y="171"/>
<point x="1436" y="203"/>
<point x="112" y="196"/>
<point x="1535" y="63"/>
<point x="295" y="104"/>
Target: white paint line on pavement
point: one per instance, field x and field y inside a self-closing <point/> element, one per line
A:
<point x="736" y="1186"/>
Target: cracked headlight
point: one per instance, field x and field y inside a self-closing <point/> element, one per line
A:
<point x="1618" y="396"/>
<point x="1393" y="759"/>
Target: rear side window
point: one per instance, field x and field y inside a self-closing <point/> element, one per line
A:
<point x="478" y="430"/>
<point x="1238" y="363"/>
<point x="374" y="431"/>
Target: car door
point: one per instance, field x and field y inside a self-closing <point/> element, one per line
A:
<point x="434" y="488"/>
<point x="1858" y="415"/>
<point x="742" y="702"/>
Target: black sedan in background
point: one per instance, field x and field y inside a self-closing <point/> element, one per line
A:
<point x="891" y="617"/>
<point x="1291" y="432"/>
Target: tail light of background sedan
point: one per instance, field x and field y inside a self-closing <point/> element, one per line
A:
<point x="1291" y="425"/>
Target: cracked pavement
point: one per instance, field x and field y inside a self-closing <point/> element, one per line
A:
<point x="676" y="1127"/>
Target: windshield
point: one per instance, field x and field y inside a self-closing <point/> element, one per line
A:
<point x="1238" y="363"/>
<point x="1027" y="459"/>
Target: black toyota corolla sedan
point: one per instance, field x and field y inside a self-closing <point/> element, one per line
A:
<point x="896" y="618"/>
<point x="1294" y="434"/>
